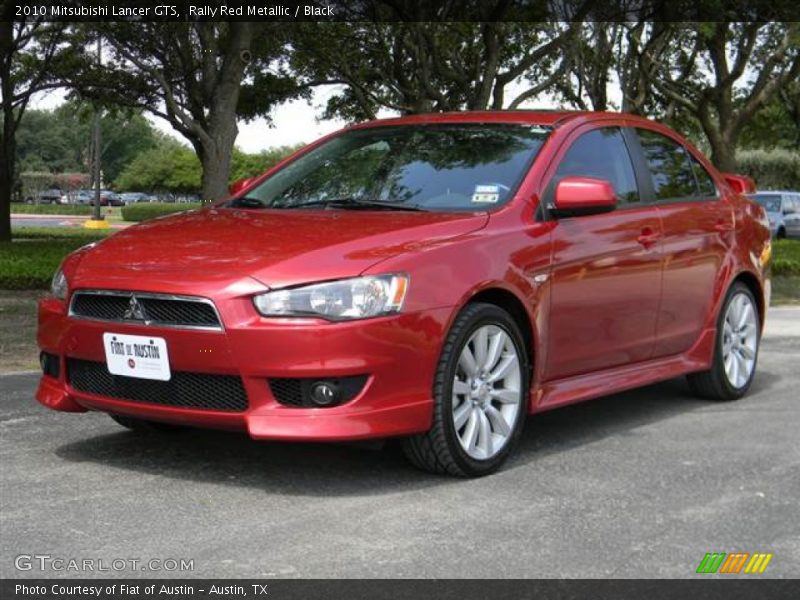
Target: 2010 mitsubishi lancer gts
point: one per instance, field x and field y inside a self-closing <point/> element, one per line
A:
<point x="434" y="278"/>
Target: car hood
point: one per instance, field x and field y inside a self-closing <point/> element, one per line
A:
<point x="276" y="247"/>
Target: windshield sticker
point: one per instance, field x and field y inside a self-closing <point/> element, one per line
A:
<point x="486" y="194"/>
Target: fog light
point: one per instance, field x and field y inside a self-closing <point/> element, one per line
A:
<point x="324" y="393"/>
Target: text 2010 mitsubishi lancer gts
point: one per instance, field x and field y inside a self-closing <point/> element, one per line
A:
<point x="433" y="278"/>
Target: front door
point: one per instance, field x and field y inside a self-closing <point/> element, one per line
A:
<point x="606" y="268"/>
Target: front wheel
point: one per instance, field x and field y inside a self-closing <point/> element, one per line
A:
<point x="735" y="350"/>
<point x="480" y="394"/>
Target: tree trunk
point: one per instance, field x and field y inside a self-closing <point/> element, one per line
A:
<point x="7" y="148"/>
<point x="6" y="190"/>
<point x="723" y="152"/>
<point x="215" y="152"/>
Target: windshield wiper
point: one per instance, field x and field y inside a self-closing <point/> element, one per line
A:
<point x="360" y="204"/>
<point x="246" y="202"/>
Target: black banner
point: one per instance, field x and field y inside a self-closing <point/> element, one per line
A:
<point x="402" y="10"/>
<point x="411" y="589"/>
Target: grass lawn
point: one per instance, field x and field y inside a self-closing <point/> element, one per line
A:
<point x="18" y="351"/>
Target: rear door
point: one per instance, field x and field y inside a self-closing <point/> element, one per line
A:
<point x="698" y="232"/>
<point x="606" y="268"/>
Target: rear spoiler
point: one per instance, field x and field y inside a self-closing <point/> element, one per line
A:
<point x="741" y="184"/>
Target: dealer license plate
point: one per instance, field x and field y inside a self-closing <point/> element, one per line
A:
<point x="137" y="356"/>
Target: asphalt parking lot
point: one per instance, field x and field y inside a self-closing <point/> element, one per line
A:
<point x="640" y="484"/>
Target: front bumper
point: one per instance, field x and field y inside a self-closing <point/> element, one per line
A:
<point x="398" y="354"/>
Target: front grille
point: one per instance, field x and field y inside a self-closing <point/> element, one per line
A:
<point x="184" y="389"/>
<point x="144" y="308"/>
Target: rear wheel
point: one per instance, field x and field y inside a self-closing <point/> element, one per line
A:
<point x="781" y="235"/>
<point x="735" y="351"/>
<point x="146" y="426"/>
<point x="480" y="393"/>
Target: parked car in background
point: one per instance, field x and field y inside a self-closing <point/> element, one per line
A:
<point x="135" y="197"/>
<point x="783" y="211"/>
<point x="107" y="198"/>
<point x="46" y="197"/>
<point x="435" y="278"/>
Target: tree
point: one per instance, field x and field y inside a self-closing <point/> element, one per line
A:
<point x="193" y="74"/>
<point x="169" y="167"/>
<point x="730" y="71"/>
<point x="33" y="54"/>
<point x="59" y="140"/>
<point x="417" y="66"/>
<point x="629" y="52"/>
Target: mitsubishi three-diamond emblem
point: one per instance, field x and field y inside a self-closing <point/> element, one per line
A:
<point x="135" y="311"/>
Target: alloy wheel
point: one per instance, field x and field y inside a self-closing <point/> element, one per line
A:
<point x="739" y="340"/>
<point x="487" y="394"/>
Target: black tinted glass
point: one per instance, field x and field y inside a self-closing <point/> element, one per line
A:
<point x="672" y="173"/>
<point x="434" y="167"/>
<point x="705" y="184"/>
<point x="601" y="154"/>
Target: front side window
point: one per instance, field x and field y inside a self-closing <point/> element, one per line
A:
<point x="602" y="154"/>
<point x="437" y="167"/>
<point x="673" y="177"/>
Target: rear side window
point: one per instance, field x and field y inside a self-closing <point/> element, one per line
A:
<point x="601" y="154"/>
<point x="705" y="184"/>
<point x="673" y="177"/>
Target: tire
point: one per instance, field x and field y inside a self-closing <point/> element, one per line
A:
<point x="716" y="383"/>
<point x="781" y="235"/>
<point x="142" y="426"/>
<point x="441" y="450"/>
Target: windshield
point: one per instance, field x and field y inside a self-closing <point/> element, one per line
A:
<point x="452" y="167"/>
<point x="771" y="203"/>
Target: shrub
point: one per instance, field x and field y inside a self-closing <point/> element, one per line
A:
<point x="772" y="169"/>
<point x="142" y="212"/>
<point x="50" y="209"/>
<point x="30" y="260"/>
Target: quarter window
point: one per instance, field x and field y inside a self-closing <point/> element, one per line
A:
<point x="673" y="177"/>
<point x="705" y="184"/>
<point x="601" y="154"/>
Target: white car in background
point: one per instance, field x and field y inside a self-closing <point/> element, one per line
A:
<point x="783" y="211"/>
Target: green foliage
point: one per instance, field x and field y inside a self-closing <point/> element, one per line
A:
<point x="142" y="212"/>
<point x="59" y="140"/>
<point x="50" y="209"/>
<point x="29" y="261"/>
<point x="245" y="165"/>
<point x="786" y="258"/>
<point x="772" y="169"/>
<point x="776" y="124"/>
<point x="169" y="167"/>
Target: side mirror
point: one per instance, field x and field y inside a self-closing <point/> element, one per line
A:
<point x="741" y="184"/>
<point x="238" y="185"/>
<point x="583" y="196"/>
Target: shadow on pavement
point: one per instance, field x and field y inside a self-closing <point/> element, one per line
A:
<point x="305" y="469"/>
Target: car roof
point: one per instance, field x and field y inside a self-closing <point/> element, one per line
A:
<point x="776" y="192"/>
<point x="549" y="118"/>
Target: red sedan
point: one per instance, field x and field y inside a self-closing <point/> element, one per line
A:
<point x="434" y="278"/>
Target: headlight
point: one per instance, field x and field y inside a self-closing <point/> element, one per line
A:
<point x="58" y="286"/>
<point x="358" y="298"/>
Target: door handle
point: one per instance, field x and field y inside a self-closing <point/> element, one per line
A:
<point x="648" y="237"/>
